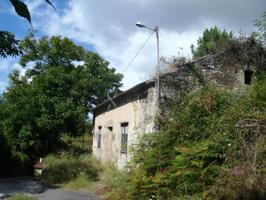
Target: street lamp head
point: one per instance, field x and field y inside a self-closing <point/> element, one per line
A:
<point x="139" y="24"/>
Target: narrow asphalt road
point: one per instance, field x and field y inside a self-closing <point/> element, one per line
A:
<point x="27" y="185"/>
<point x="56" y="194"/>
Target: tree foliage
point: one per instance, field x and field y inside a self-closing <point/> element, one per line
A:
<point x="9" y="46"/>
<point x="208" y="42"/>
<point x="62" y="83"/>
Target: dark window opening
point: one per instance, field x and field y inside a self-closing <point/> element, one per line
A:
<point x="248" y="77"/>
<point x="124" y="137"/>
<point x="99" y="137"/>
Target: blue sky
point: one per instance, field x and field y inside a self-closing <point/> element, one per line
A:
<point x="11" y="22"/>
<point x="108" y="27"/>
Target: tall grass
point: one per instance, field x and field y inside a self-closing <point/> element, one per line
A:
<point x="67" y="170"/>
<point x="81" y="182"/>
<point x="116" y="183"/>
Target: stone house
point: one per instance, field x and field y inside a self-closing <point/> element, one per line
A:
<point x="119" y="121"/>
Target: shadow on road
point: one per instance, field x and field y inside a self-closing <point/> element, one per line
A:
<point x="27" y="185"/>
<point x="11" y="186"/>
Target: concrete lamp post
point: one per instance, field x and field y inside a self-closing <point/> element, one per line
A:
<point x="157" y="83"/>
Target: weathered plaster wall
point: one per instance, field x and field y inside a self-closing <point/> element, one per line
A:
<point x="139" y="114"/>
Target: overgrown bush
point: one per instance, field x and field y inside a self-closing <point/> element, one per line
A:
<point x="198" y="147"/>
<point x="64" y="168"/>
<point x="243" y="174"/>
<point x="181" y="158"/>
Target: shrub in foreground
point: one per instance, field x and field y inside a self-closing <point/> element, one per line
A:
<point x="196" y="150"/>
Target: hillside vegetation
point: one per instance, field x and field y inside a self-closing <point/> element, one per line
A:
<point x="212" y="147"/>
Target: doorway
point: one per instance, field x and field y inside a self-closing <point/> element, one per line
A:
<point x="109" y="145"/>
<point x="248" y="77"/>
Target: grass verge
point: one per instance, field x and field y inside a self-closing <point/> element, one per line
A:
<point x="22" y="197"/>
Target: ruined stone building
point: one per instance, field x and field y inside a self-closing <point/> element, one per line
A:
<point x="118" y="123"/>
<point x="120" y="120"/>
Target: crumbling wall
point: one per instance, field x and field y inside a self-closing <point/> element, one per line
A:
<point x="182" y="79"/>
<point x="216" y="69"/>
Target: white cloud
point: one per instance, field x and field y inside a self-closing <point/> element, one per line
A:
<point x="22" y="70"/>
<point x="5" y="64"/>
<point x="3" y="85"/>
<point x="110" y="26"/>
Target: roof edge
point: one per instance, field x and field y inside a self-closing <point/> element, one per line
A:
<point x="140" y="85"/>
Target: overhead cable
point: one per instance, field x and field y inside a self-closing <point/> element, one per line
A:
<point x="134" y="57"/>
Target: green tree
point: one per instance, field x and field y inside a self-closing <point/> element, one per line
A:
<point x="8" y="44"/>
<point x="261" y="26"/>
<point x="62" y="83"/>
<point x="209" y="41"/>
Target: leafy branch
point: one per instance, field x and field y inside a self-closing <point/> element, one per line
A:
<point x="22" y="9"/>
